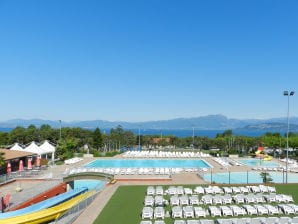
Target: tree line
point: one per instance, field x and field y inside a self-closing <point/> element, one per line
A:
<point x="75" y="140"/>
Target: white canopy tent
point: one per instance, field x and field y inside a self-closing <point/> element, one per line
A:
<point x="17" y="147"/>
<point x="47" y="148"/>
<point x="33" y="147"/>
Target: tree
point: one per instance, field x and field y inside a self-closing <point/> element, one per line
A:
<point x="66" y="148"/>
<point x="17" y="135"/>
<point x="32" y="134"/>
<point x="4" y="138"/>
<point x="266" y="177"/>
<point x="2" y="161"/>
<point x="97" y="139"/>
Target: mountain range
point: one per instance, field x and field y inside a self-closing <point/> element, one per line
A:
<point x="209" y="122"/>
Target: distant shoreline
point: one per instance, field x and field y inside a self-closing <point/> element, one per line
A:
<point x="184" y="133"/>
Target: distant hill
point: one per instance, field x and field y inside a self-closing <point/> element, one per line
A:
<point x="210" y="122"/>
<point x="272" y="127"/>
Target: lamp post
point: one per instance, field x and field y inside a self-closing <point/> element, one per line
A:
<point x="60" y="130"/>
<point x="288" y="94"/>
<point x="139" y="138"/>
<point x="193" y="138"/>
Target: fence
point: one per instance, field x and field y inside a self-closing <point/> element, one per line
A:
<point x="248" y="177"/>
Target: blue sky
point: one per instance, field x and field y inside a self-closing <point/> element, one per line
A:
<point x="147" y="60"/>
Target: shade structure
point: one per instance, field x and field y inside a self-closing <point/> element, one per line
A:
<point x="21" y="166"/>
<point x="8" y="168"/>
<point x="48" y="148"/>
<point x="29" y="164"/>
<point x="34" y="148"/>
<point x="17" y="147"/>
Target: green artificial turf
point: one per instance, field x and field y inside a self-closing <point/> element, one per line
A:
<point x="126" y="204"/>
<point x="124" y="207"/>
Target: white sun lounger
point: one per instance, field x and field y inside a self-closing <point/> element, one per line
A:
<point x="294" y="207"/>
<point x="194" y="200"/>
<point x="180" y="190"/>
<point x="199" y="190"/>
<point x="147" y="213"/>
<point x="244" y="190"/>
<point x="188" y="212"/>
<point x="272" y="210"/>
<point x="159" y="213"/>
<point x="177" y="212"/>
<point x="184" y="200"/>
<point x="174" y="200"/>
<point x="228" y="190"/>
<point x="239" y="198"/>
<point x="150" y="190"/>
<point x="149" y="200"/>
<point x="250" y="210"/>
<point x="259" y="198"/>
<point x="236" y="190"/>
<point x="287" y="210"/>
<point x="270" y="198"/>
<point x="261" y="210"/>
<point x="172" y="190"/>
<point x="159" y="190"/>
<point x="200" y="212"/>
<point x="207" y="199"/>
<point x="214" y="211"/>
<point x="217" y="199"/>
<point x="188" y="191"/>
<point x="249" y="198"/>
<point x="159" y="200"/>
<point x="226" y="211"/>
<point x="226" y="199"/>
<point x="209" y="190"/>
<point x="237" y="210"/>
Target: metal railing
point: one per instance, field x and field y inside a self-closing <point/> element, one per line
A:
<point x="73" y="213"/>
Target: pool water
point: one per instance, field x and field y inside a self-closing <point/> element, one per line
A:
<point x="149" y="163"/>
<point x="91" y="184"/>
<point x="258" y="162"/>
<point x="248" y="177"/>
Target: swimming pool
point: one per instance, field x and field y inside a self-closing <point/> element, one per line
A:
<point x="149" y="163"/>
<point x="90" y="184"/>
<point x="258" y="162"/>
<point x="248" y="177"/>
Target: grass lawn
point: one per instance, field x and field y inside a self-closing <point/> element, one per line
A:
<point x="126" y="204"/>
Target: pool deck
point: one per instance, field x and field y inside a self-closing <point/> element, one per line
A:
<point x="54" y="174"/>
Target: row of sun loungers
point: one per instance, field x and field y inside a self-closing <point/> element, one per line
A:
<point x="214" y="211"/>
<point x="72" y="160"/>
<point x="179" y="190"/>
<point x="225" y="199"/>
<point x="133" y="171"/>
<point x="164" y="154"/>
<point x="219" y="211"/>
